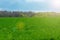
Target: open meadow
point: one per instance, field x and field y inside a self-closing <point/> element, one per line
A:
<point x="30" y="28"/>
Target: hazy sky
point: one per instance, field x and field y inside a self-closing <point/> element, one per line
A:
<point x="30" y="5"/>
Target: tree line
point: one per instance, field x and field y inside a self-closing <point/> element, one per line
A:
<point x="16" y="14"/>
<point x="27" y="14"/>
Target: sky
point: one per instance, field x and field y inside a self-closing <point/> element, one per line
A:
<point x="30" y="5"/>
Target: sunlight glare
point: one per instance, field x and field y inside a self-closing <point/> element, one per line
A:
<point x="55" y="3"/>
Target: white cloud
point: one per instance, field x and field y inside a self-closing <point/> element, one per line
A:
<point x="29" y="1"/>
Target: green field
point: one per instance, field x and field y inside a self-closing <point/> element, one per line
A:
<point x="42" y="28"/>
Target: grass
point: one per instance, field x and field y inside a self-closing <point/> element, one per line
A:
<point x="41" y="28"/>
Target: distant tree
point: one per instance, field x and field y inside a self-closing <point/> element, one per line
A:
<point x="16" y="14"/>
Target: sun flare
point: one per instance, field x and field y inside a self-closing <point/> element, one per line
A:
<point x="55" y="3"/>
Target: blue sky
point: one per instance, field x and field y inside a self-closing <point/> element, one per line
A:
<point x="30" y="5"/>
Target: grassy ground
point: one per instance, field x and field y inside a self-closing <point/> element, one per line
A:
<point x="42" y="28"/>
